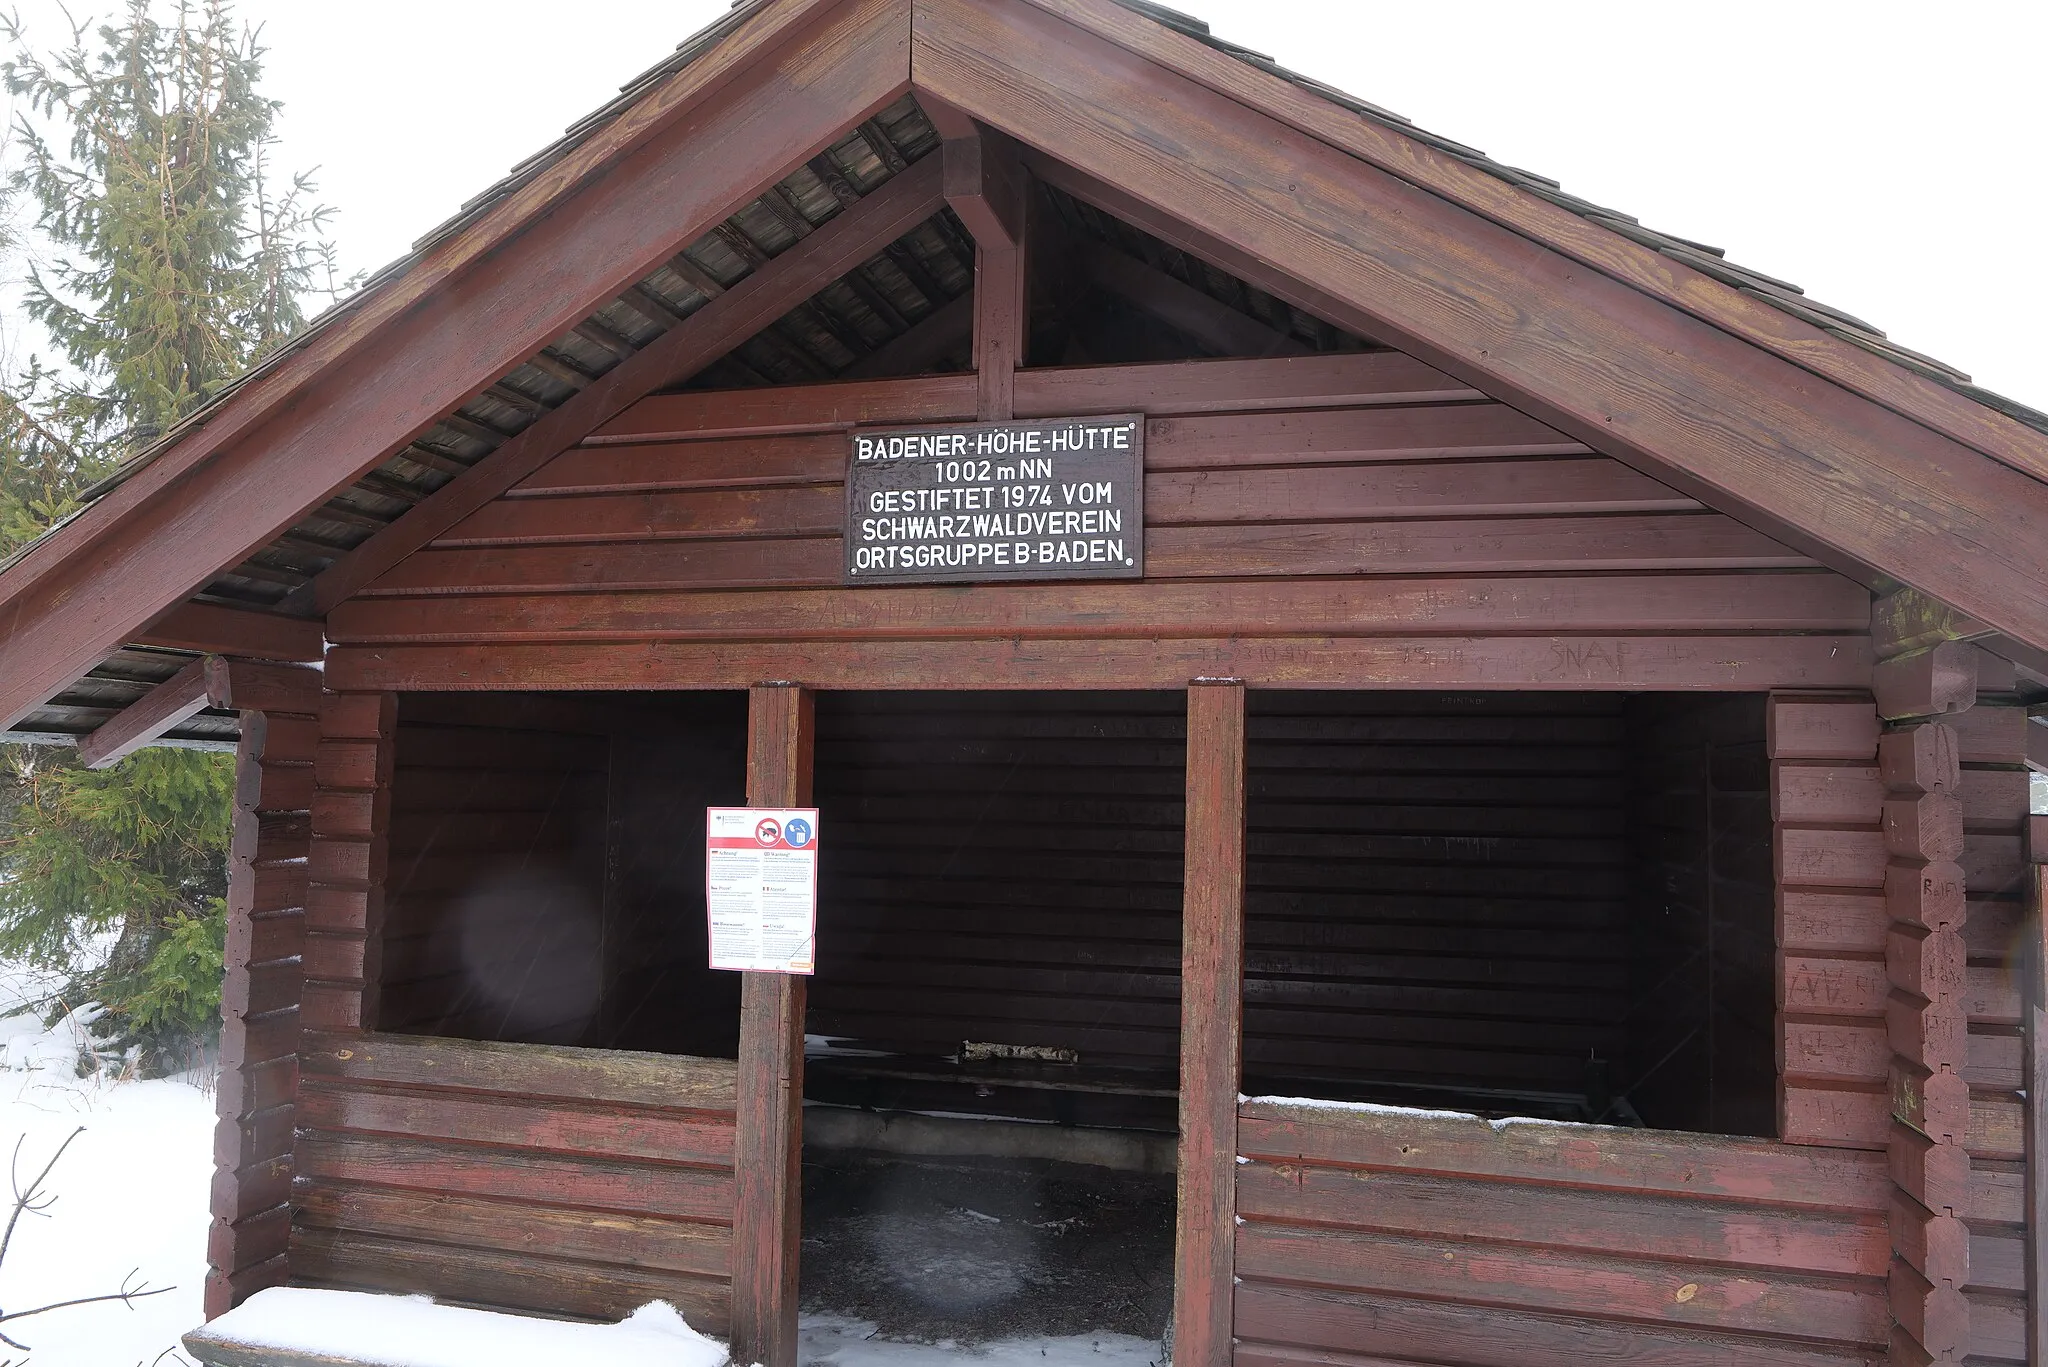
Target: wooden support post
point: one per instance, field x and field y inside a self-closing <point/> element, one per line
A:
<point x="2036" y="1079"/>
<point x="768" y="1152"/>
<point x="988" y="188"/>
<point x="1927" y="1015"/>
<point x="260" y="991"/>
<point x="1211" y="1026"/>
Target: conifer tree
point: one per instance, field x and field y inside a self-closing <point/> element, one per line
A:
<point x="176" y="261"/>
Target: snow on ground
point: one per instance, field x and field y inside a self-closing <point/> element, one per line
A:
<point x="131" y="1195"/>
<point x="131" y="1202"/>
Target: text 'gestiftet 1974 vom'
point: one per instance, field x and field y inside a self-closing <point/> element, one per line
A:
<point x="1055" y="499"/>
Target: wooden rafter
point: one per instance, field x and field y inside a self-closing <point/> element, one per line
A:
<point x="730" y="319"/>
<point x="208" y="681"/>
<point x="212" y="629"/>
<point x="786" y="84"/>
<point x="1723" y="417"/>
<point x="157" y="711"/>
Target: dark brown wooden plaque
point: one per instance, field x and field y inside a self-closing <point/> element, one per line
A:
<point x="997" y="501"/>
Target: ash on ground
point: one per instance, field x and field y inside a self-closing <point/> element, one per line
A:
<point x="959" y="1251"/>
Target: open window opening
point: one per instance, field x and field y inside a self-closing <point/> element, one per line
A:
<point x="1555" y="906"/>
<point x="546" y="870"/>
<point x="994" y="1025"/>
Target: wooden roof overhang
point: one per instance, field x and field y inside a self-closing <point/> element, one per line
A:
<point x="642" y="252"/>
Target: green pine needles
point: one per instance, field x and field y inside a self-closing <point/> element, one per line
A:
<point x="172" y="257"/>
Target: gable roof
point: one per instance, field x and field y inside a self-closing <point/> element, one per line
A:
<point x="1768" y="314"/>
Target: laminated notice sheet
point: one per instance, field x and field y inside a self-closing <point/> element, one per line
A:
<point x="761" y="888"/>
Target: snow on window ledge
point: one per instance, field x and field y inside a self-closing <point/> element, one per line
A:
<point x="412" y="1331"/>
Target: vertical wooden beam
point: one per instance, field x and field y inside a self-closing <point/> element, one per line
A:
<point x="1211" y="1025"/>
<point x="987" y="186"/>
<point x="768" y="1156"/>
<point x="2037" y="1096"/>
<point x="351" y="819"/>
<point x="258" y="1088"/>
<point x="1927" y="1016"/>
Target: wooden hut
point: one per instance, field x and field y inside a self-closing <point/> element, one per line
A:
<point x="1525" y="665"/>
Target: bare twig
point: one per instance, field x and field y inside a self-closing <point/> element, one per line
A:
<point x="32" y="1200"/>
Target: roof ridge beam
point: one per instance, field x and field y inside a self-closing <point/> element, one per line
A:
<point x="741" y="312"/>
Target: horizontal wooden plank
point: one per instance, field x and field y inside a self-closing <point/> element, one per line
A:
<point x="523" y="1282"/>
<point x="1990" y="734"/>
<point x="1836" y="1051"/>
<point x="1842" y="1117"/>
<point x="1998" y="1129"/>
<point x="1827" y="793"/>
<point x="1239" y="440"/>
<point x="608" y="1130"/>
<point x="1993" y="995"/>
<point x="517" y="1227"/>
<point x="1385" y="377"/>
<point x="1559" y="662"/>
<point x="1821" y="729"/>
<point x="811" y="510"/>
<point x="1747" y="602"/>
<point x="732" y="462"/>
<point x="1826" y="924"/>
<point x="421" y="1166"/>
<point x="534" y="1070"/>
<point x="1519" y="545"/>
<point x="1998" y="1329"/>
<point x="1329" y="1325"/>
<point x="1349" y="436"/>
<point x="1833" y="986"/>
<point x="1780" y="1303"/>
<point x="1522" y="487"/>
<point x="1587" y="1156"/>
<point x="1676" y="1229"/>
<point x="1831" y="857"/>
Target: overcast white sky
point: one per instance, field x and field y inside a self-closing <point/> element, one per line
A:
<point x="1887" y="156"/>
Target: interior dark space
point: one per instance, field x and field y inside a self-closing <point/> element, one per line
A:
<point x="1546" y="904"/>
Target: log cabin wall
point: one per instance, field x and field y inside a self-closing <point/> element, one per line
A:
<point x="1411" y="1236"/>
<point x="1301" y="518"/>
<point x="1994" y="790"/>
<point x="1828" y="812"/>
<point x="492" y="877"/>
<point x="260" y="994"/>
<point x="530" y="1177"/>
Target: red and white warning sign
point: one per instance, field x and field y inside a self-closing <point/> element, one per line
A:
<point x="761" y="888"/>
